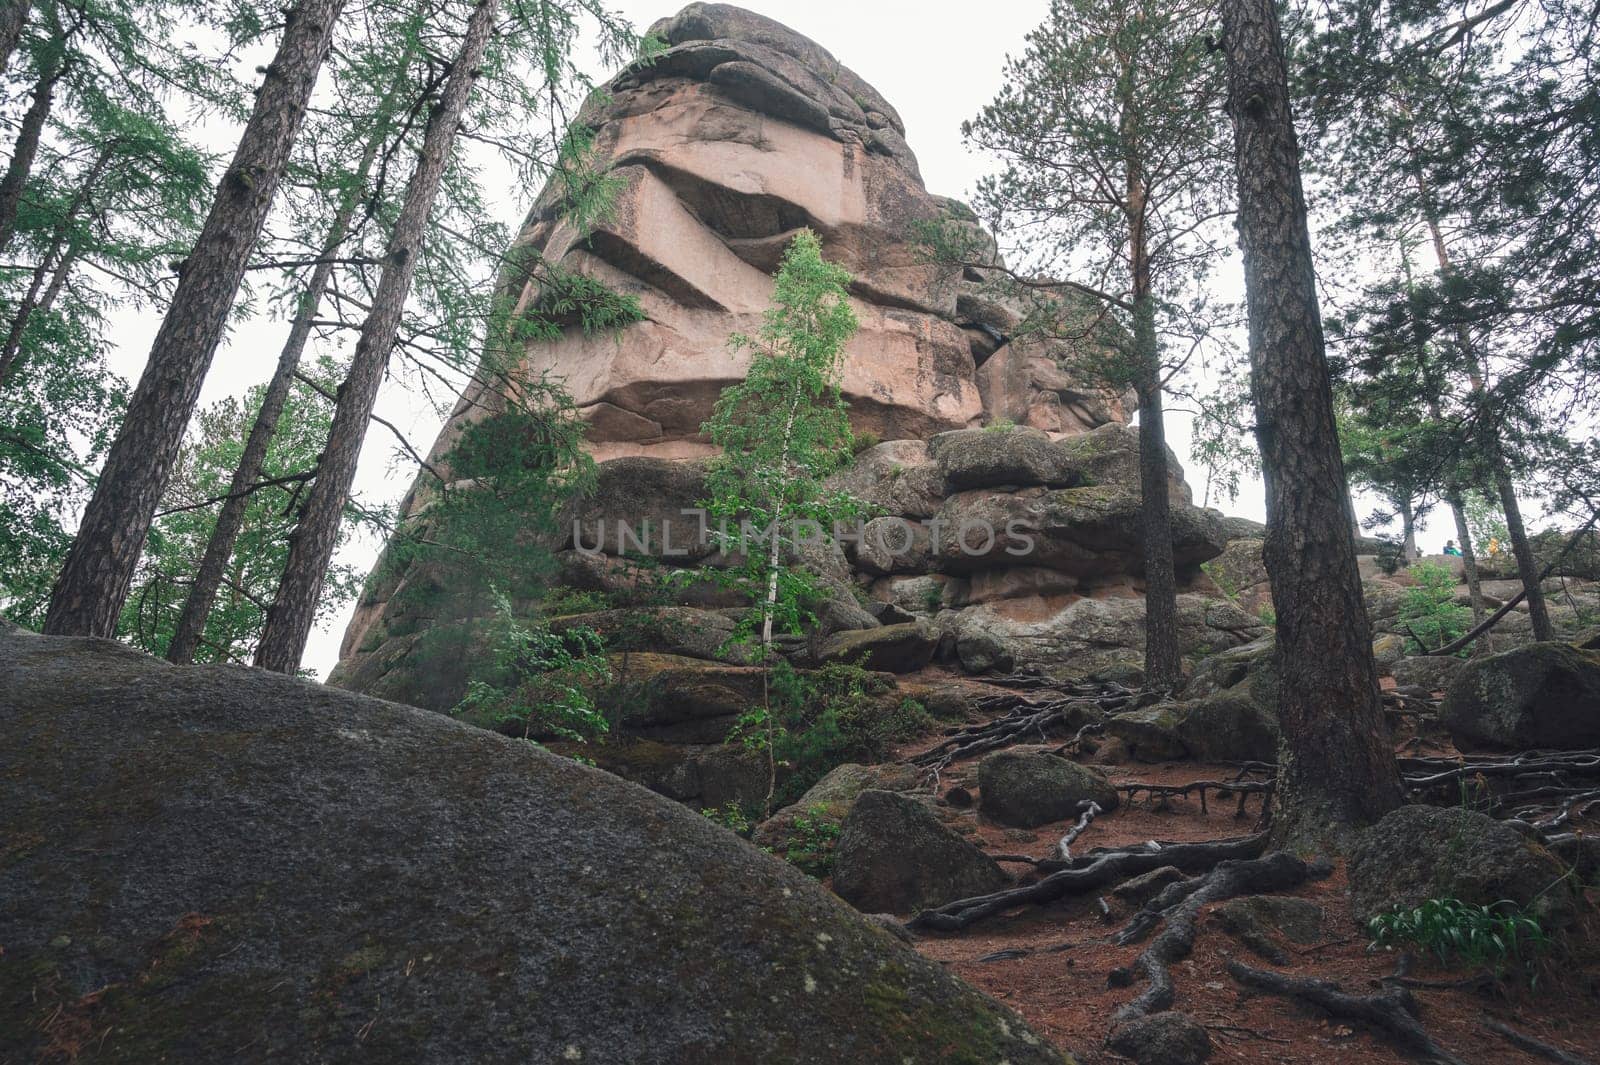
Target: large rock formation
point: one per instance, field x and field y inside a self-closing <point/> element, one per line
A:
<point x="208" y="864"/>
<point x="1006" y="489"/>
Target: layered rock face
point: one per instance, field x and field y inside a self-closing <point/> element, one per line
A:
<point x="1005" y="491"/>
<point x="738" y="135"/>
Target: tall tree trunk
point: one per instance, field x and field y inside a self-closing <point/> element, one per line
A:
<point x="1494" y="450"/>
<point x="30" y="131"/>
<point x="1163" y="659"/>
<point x="1408" y="531"/>
<point x="294" y="610"/>
<point x="1522" y="549"/>
<point x="13" y="16"/>
<point x="230" y="519"/>
<point x="1338" y="770"/>
<point x="93" y="585"/>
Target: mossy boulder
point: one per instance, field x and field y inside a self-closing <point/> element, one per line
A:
<point x="895" y="856"/>
<point x="1150" y="734"/>
<point x="903" y="648"/>
<point x="1541" y="695"/>
<point x="1230" y="726"/>
<point x="832" y="798"/>
<point x="1025" y="789"/>
<point x="990" y="458"/>
<point x="1430" y="672"/>
<point x="1166" y="1038"/>
<point x="206" y="864"/>
<point x="1418" y="853"/>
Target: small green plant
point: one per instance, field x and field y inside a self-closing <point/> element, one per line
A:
<point x="1000" y="425"/>
<point x="1268" y="616"/>
<point x="538" y="680"/>
<point x="560" y="602"/>
<point x="865" y="441"/>
<point x="1429" y="608"/>
<point x="1391" y="555"/>
<point x="1220" y="578"/>
<point x="1496" y="936"/>
<point x="731" y="816"/>
<point x="812" y="841"/>
<point x="933" y="598"/>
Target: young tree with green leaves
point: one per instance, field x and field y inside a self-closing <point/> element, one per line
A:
<point x="1337" y="769"/>
<point x="1115" y="152"/>
<point x="782" y="431"/>
<point x="88" y="596"/>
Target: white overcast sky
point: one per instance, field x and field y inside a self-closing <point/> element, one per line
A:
<point x="937" y="63"/>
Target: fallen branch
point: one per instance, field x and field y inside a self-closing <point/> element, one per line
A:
<point x="1392" y="1011"/>
<point x="1089" y="810"/>
<point x="1179" y="906"/>
<point x="1083" y="875"/>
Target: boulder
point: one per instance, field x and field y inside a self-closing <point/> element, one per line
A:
<point x="673" y="630"/>
<point x="1256" y="921"/>
<point x="1388" y="649"/>
<point x="1166" y="1038"/>
<point x="903" y="648"/>
<point x="1418" y="853"/>
<point x="701" y="776"/>
<point x="896" y="477"/>
<point x="1150" y="734"/>
<point x="262" y="867"/>
<point x="995" y="457"/>
<point x="1230" y="726"/>
<point x="1426" y="672"/>
<point x="1541" y="695"/>
<point x="895" y="856"/>
<point x="683" y="700"/>
<point x="1026" y="789"/>
<point x="832" y="797"/>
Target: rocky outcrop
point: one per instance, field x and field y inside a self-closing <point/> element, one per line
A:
<point x="1542" y="695"/>
<point x="1418" y="853"/>
<point x="207" y="864"/>
<point x="894" y="856"/>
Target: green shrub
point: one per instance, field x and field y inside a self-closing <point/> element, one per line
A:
<point x="812" y="841"/>
<point x="865" y="441"/>
<point x="1429" y="608"/>
<point x="561" y="602"/>
<point x="537" y="679"/>
<point x="1495" y="936"/>
<point x="1000" y="425"/>
<point x="732" y="817"/>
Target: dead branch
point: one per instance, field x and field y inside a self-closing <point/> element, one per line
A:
<point x="1088" y="810"/>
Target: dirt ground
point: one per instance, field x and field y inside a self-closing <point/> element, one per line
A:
<point x="1051" y="963"/>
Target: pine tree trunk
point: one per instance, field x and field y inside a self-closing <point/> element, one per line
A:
<point x="1522" y="550"/>
<point x="1469" y="558"/>
<point x="1517" y="533"/>
<point x="13" y="17"/>
<point x="1408" y="532"/>
<point x="230" y="519"/>
<point x="1163" y="659"/>
<point x="93" y="585"/>
<point x="294" y="610"/>
<point x="30" y="131"/>
<point x="1338" y="770"/>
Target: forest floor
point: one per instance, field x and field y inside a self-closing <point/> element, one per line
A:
<point x="1053" y="963"/>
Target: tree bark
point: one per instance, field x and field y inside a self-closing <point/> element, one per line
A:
<point x="230" y="519"/>
<point x="294" y="610"/>
<point x="1408" y="527"/>
<point x="1163" y="660"/>
<point x="30" y="131"/>
<point x="93" y="585"/>
<point x="1338" y="770"/>
<point x="13" y="17"/>
<point x="1469" y="557"/>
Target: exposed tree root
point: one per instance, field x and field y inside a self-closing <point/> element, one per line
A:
<point x="1393" y="1011"/>
<point x="1535" y="1046"/>
<point x="1086" y="873"/>
<point x="1179" y="906"/>
<point x="1239" y="787"/>
<point x="1023" y="720"/>
<point x="1543" y="790"/>
<point x="1088" y="810"/>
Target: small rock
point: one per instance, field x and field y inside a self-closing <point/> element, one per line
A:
<point x="958" y="797"/>
<point x="1387" y="650"/>
<point x="1026" y="789"/>
<point x="1168" y="1038"/>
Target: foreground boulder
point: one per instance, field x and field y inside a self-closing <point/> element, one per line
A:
<point x="220" y="864"/>
<point x="1168" y="1038"/>
<point x="1418" y="853"/>
<point x="1026" y="789"/>
<point x="1541" y="695"/>
<point x="894" y="856"/>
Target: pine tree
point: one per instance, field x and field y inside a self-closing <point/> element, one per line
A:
<point x="89" y="595"/>
<point x="1337" y="769"/>
<point x="316" y="533"/>
<point x="1108" y="124"/>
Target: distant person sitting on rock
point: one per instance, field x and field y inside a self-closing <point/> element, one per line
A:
<point x="1450" y="548"/>
<point x="1494" y="546"/>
